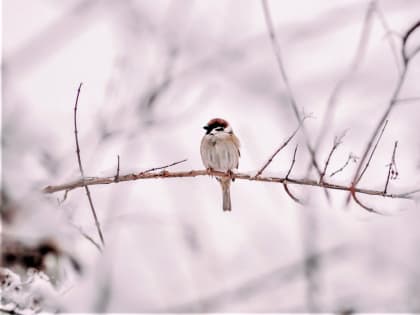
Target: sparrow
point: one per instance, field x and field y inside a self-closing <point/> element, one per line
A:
<point x="220" y="152"/>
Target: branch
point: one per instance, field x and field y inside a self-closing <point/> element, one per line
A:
<point x="79" y="160"/>
<point x="354" y="65"/>
<point x="393" y="101"/>
<point x="195" y="173"/>
<point x="407" y="58"/>
<point x="292" y="100"/>
<point x="353" y="194"/>
<point x="118" y="168"/>
<point x="337" y="142"/>
<point x="87" y="236"/>
<point x="280" y="148"/>
<point x="372" y="153"/>
<point x="162" y="167"/>
<point x="350" y="158"/>
<point x="286" y="188"/>
<point x="392" y="174"/>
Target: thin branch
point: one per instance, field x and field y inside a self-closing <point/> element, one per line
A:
<point x="87" y="236"/>
<point x="286" y="188"/>
<point x="373" y="8"/>
<point x="388" y="32"/>
<point x="293" y="163"/>
<point x="405" y="38"/>
<point x="350" y="158"/>
<point x="79" y="160"/>
<point x="194" y="173"/>
<point x="292" y="100"/>
<point x="408" y="100"/>
<point x="392" y="170"/>
<point x="372" y="153"/>
<point x="280" y="148"/>
<point x="162" y="167"/>
<point x="337" y="142"/>
<point x="118" y="168"/>
<point x="369" y="209"/>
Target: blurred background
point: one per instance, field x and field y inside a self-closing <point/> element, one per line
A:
<point x="153" y="74"/>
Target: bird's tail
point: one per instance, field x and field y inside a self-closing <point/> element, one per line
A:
<point x="225" y="183"/>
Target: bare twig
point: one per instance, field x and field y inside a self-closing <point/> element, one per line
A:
<point x="392" y="102"/>
<point x="372" y="153"/>
<point x="373" y="8"/>
<point x="408" y="100"/>
<point x="337" y="142"/>
<point x="162" y="167"/>
<point x="350" y="158"/>
<point x="292" y="100"/>
<point x="79" y="160"/>
<point x="286" y="188"/>
<point x="406" y="57"/>
<point x="392" y="169"/>
<point x="118" y="168"/>
<point x="388" y="32"/>
<point x="279" y="149"/>
<point x="87" y="236"/>
<point x="353" y="194"/>
<point x="293" y="163"/>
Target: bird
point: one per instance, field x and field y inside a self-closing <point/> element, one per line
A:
<point x="220" y="151"/>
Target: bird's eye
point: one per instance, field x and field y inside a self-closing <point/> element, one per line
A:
<point x="219" y="129"/>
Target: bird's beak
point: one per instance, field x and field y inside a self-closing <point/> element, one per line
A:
<point x="206" y="127"/>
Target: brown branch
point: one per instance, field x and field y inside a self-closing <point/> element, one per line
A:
<point x="372" y="153"/>
<point x="392" y="174"/>
<point x="293" y="163"/>
<point x="195" y="173"/>
<point x="162" y="167"/>
<point x="392" y="103"/>
<point x="118" y="168"/>
<point x="337" y="142"/>
<point x="286" y="188"/>
<point x="369" y="209"/>
<point x="292" y="100"/>
<point x="280" y="148"/>
<point x="79" y="160"/>
<point x="351" y="157"/>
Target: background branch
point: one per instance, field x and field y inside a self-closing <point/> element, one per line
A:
<point x="79" y="160"/>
